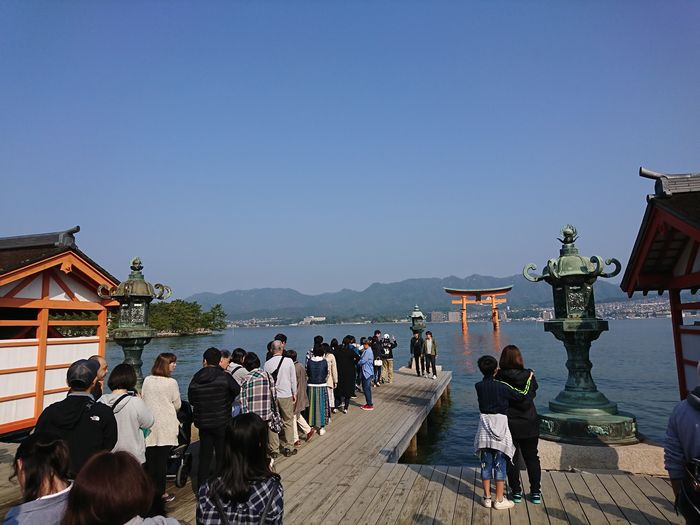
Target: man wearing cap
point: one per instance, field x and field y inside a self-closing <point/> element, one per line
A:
<point x="86" y="426"/>
<point x="388" y="345"/>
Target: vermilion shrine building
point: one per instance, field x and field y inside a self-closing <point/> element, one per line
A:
<point x="665" y="257"/>
<point x="50" y="316"/>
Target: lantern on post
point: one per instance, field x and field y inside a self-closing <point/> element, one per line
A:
<point x="417" y="320"/>
<point x="580" y="413"/>
<point x="133" y="332"/>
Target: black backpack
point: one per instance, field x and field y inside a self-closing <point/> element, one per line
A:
<point x="688" y="501"/>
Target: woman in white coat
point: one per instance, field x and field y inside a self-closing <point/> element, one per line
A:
<point x="162" y="395"/>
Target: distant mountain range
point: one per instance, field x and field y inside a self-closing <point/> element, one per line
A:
<point x="390" y="299"/>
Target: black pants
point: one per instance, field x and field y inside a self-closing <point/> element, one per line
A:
<point x="156" y="466"/>
<point x="420" y="364"/>
<point x="430" y="364"/>
<point x="527" y="447"/>
<point x="211" y="441"/>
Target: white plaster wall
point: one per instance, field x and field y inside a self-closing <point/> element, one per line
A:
<point x="16" y="410"/>
<point x="68" y="353"/>
<point x="20" y="383"/>
<point x="18" y="357"/>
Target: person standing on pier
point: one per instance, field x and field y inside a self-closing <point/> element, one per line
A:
<point x="376" y="342"/>
<point x="388" y="345"/>
<point x="282" y="371"/>
<point x="523" y="423"/>
<point x="211" y="394"/>
<point x="317" y="371"/>
<point x="88" y="427"/>
<point x="366" y="365"/>
<point x="302" y="401"/>
<point x="347" y="360"/>
<point x="682" y="453"/>
<point x="417" y="353"/>
<point x="430" y="351"/>
<point x="493" y="441"/>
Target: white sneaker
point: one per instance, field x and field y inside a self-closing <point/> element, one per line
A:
<point x="504" y="504"/>
<point x="322" y="431"/>
<point x="486" y="502"/>
<point x="434" y="376"/>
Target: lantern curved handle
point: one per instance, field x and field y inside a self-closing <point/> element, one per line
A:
<point x="104" y="292"/>
<point x="598" y="262"/>
<point x="162" y="291"/>
<point x="552" y="267"/>
<point x="531" y="278"/>
<point x="617" y="269"/>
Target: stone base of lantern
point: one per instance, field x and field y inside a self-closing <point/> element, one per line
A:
<point x="581" y="429"/>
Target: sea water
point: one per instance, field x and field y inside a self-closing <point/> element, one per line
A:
<point x="633" y="365"/>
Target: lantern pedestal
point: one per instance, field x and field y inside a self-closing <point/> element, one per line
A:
<point x="581" y="414"/>
<point x="132" y="343"/>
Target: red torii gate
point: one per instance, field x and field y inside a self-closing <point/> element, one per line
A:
<point x="494" y="296"/>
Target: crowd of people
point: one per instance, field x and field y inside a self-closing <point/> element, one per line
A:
<point x="249" y="412"/>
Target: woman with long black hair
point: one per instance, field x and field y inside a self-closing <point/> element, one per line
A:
<point x="41" y="466"/>
<point x="246" y="490"/>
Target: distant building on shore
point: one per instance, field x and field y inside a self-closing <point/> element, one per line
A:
<point x="438" y="317"/>
<point x="312" y="319"/>
<point x="454" y="317"/>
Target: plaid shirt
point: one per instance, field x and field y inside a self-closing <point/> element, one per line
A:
<point x="258" y="393"/>
<point x="248" y="513"/>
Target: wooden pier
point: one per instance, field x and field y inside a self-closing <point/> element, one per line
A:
<point x="350" y="475"/>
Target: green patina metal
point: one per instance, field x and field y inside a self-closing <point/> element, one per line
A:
<point x="417" y="320"/>
<point x="580" y="413"/>
<point x="133" y="332"/>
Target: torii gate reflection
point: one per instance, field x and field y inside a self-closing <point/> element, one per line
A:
<point x="492" y="296"/>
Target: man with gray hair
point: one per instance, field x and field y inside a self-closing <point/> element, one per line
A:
<point x="682" y="452"/>
<point x="282" y="370"/>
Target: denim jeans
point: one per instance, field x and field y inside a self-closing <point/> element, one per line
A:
<point x="493" y="464"/>
<point x="377" y="373"/>
<point x="367" y="389"/>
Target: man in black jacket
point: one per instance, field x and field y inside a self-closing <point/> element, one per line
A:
<point x="417" y="353"/>
<point x="211" y="394"/>
<point x="86" y="426"/>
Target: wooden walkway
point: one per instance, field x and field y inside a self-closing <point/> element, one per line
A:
<point x="350" y="475"/>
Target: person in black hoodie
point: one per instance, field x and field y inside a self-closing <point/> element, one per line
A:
<point x="523" y="424"/>
<point x="211" y="394"/>
<point x="87" y="426"/>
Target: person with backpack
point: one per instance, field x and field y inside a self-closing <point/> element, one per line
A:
<point x="682" y="454"/>
<point x="211" y="394"/>
<point x="239" y="373"/>
<point x="88" y="427"/>
<point x="134" y="418"/>
<point x="282" y="370"/>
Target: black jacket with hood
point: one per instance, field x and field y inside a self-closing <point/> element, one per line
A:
<point x="87" y="426"/>
<point x="522" y="415"/>
<point x="211" y="394"/>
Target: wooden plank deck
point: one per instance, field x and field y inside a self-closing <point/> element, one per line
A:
<point x="350" y="475"/>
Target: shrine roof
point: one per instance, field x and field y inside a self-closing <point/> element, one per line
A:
<point x="668" y="236"/>
<point x="24" y="250"/>
<point x="479" y="291"/>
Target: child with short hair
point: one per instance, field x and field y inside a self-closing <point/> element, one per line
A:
<point x="493" y="441"/>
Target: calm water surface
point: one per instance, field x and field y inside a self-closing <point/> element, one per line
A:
<point x="633" y="365"/>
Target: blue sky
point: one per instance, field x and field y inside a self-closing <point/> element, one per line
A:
<point x="328" y="145"/>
